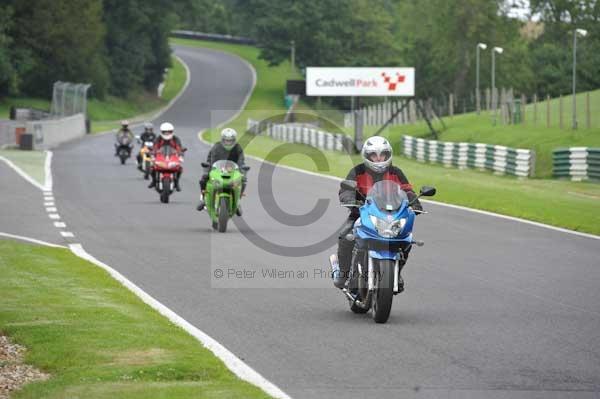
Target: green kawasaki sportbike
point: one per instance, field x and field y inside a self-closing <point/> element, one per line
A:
<point x="223" y="192"/>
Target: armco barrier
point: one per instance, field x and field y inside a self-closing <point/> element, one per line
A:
<point x="303" y="134"/>
<point x="500" y="159"/>
<point x="215" y="37"/>
<point x="576" y="163"/>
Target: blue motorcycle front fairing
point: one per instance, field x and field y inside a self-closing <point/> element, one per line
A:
<point x="365" y="231"/>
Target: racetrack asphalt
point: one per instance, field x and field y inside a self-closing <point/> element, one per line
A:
<point x="493" y="307"/>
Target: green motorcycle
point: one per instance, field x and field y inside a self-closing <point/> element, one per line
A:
<point x="223" y="192"/>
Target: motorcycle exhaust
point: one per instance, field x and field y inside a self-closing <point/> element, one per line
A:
<point x="361" y="304"/>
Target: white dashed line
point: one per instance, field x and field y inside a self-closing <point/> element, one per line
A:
<point x="67" y="234"/>
<point x="51" y="209"/>
<point x="50" y="203"/>
<point x="60" y="225"/>
<point x="54" y="216"/>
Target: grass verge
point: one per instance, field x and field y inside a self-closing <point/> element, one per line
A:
<point x="31" y="162"/>
<point x="571" y="205"/>
<point x="107" y="113"/>
<point x="96" y="338"/>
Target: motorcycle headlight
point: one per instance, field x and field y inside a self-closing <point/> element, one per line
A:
<point x="388" y="229"/>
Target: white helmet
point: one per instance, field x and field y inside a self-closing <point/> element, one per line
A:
<point x="380" y="147"/>
<point x="228" y="138"/>
<point x="166" y="131"/>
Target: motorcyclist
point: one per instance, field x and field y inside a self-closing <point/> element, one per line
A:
<point x="377" y="166"/>
<point x="148" y="135"/>
<point x="226" y="149"/>
<point x="124" y="137"/>
<point x="167" y="138"/>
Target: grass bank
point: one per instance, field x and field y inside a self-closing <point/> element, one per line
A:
<point x="95" y="338"/>
<point x="565" y="204"/>
<point x="107" y="113"/>
<point x="475" y="128"/>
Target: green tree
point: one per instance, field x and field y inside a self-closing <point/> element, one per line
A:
<point x="439" y="38"/>
<point x="65" y="39"/>
<point x="325" y="32"/>
<point x="9" y="65"/>
<point x="137" y="43"/>
<point x="552" y="51"/>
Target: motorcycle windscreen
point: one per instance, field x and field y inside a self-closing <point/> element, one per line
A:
<point x="225" y="166"/>
<point x="387" y="195"/>
<point x="167" y="151"/>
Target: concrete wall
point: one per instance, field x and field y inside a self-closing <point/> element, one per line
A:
<point x="50" y="133"/>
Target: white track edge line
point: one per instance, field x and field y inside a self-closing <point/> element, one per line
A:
<point x="233" y="363"/>
<point x="32" y="240"/>
<point x="459" y="207"/>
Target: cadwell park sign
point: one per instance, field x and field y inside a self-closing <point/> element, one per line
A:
<point x="344" y="81"/>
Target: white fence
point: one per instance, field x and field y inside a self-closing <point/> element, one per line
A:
<point x="303" y="134"/>
<point x="497" y="158"/>
<point x="378" y="114"/>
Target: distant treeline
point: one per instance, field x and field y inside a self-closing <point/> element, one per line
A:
<point x="122" y="45"/>
<point x="119" y="46"/>
<point x="438" y="37"/>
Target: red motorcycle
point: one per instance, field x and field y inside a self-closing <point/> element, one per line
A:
<point x="166" y="165"/>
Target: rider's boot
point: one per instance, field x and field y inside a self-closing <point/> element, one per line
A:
<point x="344" y="257"/>
<point x="153" y="182"/>
<point x="238" y="211"/>
<point x="201" y="203"/>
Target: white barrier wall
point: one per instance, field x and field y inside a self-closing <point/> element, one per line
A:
<point x="49" y="133"/>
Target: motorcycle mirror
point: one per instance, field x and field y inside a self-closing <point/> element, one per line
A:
<point x="427" y="191"/>
<point x="245" y="168"/>
<point x="348" y="184"/>
<point x="183" y="149"/>
<point x="205" y="165"/>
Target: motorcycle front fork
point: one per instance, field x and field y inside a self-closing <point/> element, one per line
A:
<point x="363" y="268"/>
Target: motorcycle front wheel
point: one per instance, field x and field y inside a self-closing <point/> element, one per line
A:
<point x="384" y="291"/>
<point x="164" y="194"/>
<point x="223" y="214"/>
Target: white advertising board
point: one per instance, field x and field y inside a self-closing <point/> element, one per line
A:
<point x="342" y="81"/>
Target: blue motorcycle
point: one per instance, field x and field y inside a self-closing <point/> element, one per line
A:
<point x="382" y="236"/>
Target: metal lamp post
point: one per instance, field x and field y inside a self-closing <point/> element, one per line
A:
<point x="293" y="55"/>
<point x="480" y="46"/>
<point x="583" y="33"/>
<point x="495" y="50"/>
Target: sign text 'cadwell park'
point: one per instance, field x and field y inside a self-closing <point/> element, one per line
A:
<point x="343" y="81"/>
